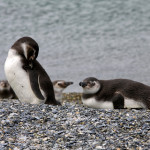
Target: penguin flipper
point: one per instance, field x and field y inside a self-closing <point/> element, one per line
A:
<point x="34" y="81"/>
<point x="48" y="89"/>
<point x="118" y="101"/>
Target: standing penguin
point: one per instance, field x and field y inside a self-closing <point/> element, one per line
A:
<point x="59" y="87"/>
<point x="113" y="94"/>
<point x="26" y="76"/>
<point x="6" y="91"/>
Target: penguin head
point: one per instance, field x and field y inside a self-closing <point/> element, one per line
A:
<point x="4" y="85"/>
<point x="27" y="48"/>
<point x="60" y="85"/>
<point x="90" y="85"/>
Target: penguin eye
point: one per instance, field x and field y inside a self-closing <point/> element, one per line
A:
<point x="59" y="83"/>
<point x="92" y="83"/>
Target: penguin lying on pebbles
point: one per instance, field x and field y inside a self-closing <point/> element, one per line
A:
<point x="26" y="76"/>
<point x="115" y="94"/>
<point x="59" y="87"/>
<point x="6" y="91"/>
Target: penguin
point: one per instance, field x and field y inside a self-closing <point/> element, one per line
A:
<point x="26" y="76"/>
<point x="115" y="94"/>
<point x="6" y="91"/>
<point x="59" y="87"/>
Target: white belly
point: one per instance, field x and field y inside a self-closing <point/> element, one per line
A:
<point x="19" y="79"/>
<point x="130" y="103"/>
<point x="58" y="96"/>
<point x="92" y="102"/>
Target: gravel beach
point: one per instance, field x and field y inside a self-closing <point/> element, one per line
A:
<point x="71" y="126"/>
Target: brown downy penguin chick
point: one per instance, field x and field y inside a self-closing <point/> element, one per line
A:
<point x="59" y="87"/>
<point x="6" y="91"/>
<point x="26" y="76"/>
<point x="115" y="94"/>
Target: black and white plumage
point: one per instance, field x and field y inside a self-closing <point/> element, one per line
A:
<point x="59" y="87"/>
<point x="115" y="94"/>
<point x="26" y="76"/>
<point x="6" y="91"/>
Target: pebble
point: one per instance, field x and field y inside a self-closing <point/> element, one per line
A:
<point x="16" y="148"/>
<point x="72" y="126"/>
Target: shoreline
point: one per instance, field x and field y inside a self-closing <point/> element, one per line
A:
<point x="72" y="126"/>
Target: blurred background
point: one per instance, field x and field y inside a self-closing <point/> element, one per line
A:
<point x="80" y="38"/>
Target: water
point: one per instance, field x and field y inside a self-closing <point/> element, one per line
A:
<point x="81" y="38"/>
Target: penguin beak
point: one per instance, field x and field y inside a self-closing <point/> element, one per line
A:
<point x="83" y="84"/>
